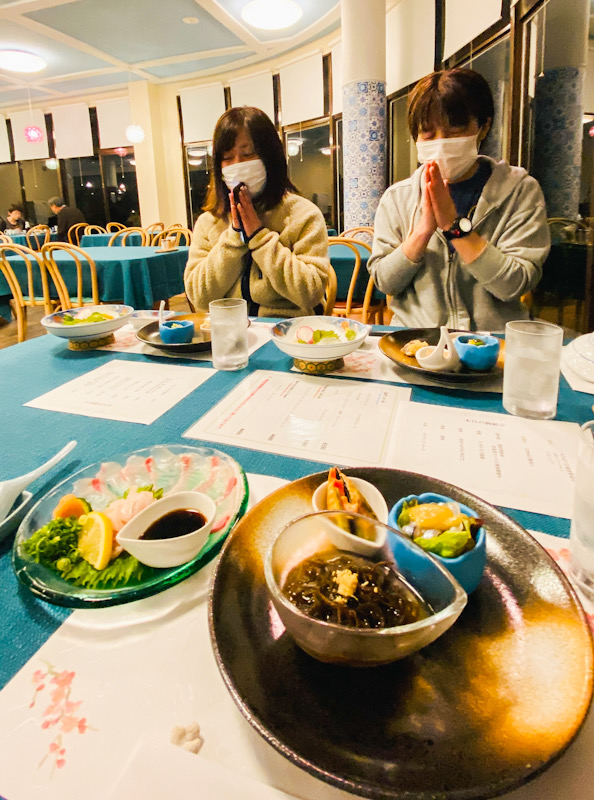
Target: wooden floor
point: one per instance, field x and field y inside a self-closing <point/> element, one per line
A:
<point x="8" y="332"/>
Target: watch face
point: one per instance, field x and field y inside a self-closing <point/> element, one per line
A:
<point x="465" y="225"/>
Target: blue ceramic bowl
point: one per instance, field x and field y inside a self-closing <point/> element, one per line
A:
<point x="176" y="331"/>
<point x="468" y="568"/>
<point x="481" y="358"/>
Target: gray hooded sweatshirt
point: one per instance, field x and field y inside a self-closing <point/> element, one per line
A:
<point x="442" y="290"/>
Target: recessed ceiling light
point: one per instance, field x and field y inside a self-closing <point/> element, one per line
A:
<point x="195" y="162"/>
<point x="326" y="151"/>
<point x="271" y="15"/>
<point x="19" y="61"/>
<point x="198" y="152"/>
<point x="191" y="20"/>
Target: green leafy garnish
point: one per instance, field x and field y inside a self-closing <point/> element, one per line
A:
<point x="404" y="516"/>
<point x="121" y="571"/>
<point x="96" y="316"/>
<point x="319" y="335"/>
<point x="157" y="493"/>
<point x="477" y="342"/>
<point x="449" y="544"/>
<point x="55" y="545"/>
<point x="350" y="334"/>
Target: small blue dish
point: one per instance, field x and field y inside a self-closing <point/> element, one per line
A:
<point x="176" y="331"/>
<point x="468" y="568"/>
<point x="479" y="358"/>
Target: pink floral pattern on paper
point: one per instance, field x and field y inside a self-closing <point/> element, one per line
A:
<point x="561" y="557"/>
<point x="62" y="713"/>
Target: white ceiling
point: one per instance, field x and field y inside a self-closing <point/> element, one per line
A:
<point x="97" y="45"/>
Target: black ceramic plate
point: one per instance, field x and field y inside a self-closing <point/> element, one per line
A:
<point x="392" y="343"/>
<point x="149" y="334"/>
<point x="486" y="707"/>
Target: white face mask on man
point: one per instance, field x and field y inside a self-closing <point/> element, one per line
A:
<point x="454" y="156"/>
<point x="252" y="173"/>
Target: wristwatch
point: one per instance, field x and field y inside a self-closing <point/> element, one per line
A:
<point x="461" y="227"/>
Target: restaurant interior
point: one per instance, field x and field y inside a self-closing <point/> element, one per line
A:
<point x="198" y="676"/>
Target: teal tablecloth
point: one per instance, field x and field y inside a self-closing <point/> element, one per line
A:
<point x="30" y="436"/>
<point x="137" y="276"/>
<point x="22" y="239"/>
<point x="102" y="240"/>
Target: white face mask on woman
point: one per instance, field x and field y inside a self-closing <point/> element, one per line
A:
<point x="454" y="156"/>
<point x="252" y="173"/>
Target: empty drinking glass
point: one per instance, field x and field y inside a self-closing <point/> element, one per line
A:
<point x="532" y="366"/>
<point x="228" y="332"/>
<point x="582" y="521"/>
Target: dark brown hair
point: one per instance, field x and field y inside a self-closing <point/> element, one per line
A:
<point x="267" y="146"/>
<point x="451" y="96"/>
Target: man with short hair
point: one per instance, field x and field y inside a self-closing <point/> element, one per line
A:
<point x="14" y="219"/>
<point x="67" y="217"/>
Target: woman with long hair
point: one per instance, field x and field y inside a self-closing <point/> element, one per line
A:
<point x="257" y="238"/>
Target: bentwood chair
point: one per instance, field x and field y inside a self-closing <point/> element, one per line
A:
<point x="155" y="227"/>
<point x="363" y="232"/>
<point x="330" y="293"/>
<point x="38" y="236"/>
<point x="4" y="239"/>
<point x="121" y="237"/>
<point x="370" y="311"/>
<point x="173" y="233"/>
<point x="83" y="263"/>
<point x="21" y="301"/>
<point x="114" y="226"/>
<point x="75" y="232"/>
<point x="94" y="229"/>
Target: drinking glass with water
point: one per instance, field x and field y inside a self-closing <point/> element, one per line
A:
<point x="532" y="367"/>
<point x="228" y="332"/>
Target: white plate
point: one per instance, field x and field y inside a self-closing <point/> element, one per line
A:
<point x="284" y="335"/>
<point x="85" y="331"/>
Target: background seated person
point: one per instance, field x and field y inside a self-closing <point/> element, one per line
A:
<point x="269" y="245"/>
<point x="67" y="217"/>
<point x="460" y="241"/>
<point x="14" y="221"/>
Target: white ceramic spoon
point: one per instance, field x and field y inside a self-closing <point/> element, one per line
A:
<point x="11" y="489"/>
<point x="440" y="358"/>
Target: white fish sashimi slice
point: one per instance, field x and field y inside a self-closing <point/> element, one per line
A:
<point x="121" y="511"/>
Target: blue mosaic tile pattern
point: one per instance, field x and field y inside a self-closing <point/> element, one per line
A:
<point x="364" y="150"/>
<point x="557" y="154"/>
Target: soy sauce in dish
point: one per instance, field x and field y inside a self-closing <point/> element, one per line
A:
<point x="175" y="523"/>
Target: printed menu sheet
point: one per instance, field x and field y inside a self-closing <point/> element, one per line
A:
<point x="509" y="461"/>
<point x="127" y="391"/>
<point x="322" y="419"/>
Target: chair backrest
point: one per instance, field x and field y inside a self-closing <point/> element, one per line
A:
<point x="173" y="233"/>
<point x="355" y="245"/>
<point x="121" y="237"/>
<point x="75" y="232"/>
<point x="82" y="260"/>
<point x="114" y="226"/>
<point x="565" y="229"/>
<point x="330" y="293"/>
<point x="4" y="239"/>
<point x="94" y="229"/>
<point x="362" y="232"/>
<point x="156" y="226"/>
<point x="38" y="236"/>
<point x="32" y="262"/>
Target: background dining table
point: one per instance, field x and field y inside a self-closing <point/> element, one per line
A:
<point x="136" y="276"/>
<point x="21" y="239"/>
<point x="103" y="239"/>
<point x="127" y="720"/>
<point x="342" y="259"/>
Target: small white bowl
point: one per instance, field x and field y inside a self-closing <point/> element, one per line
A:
<point x="87" y="331"/>
<point x="142" y="317"/>
<point x="284" y="335"/>
<point x="348" y="541"/>
<point x="168" y="552"/>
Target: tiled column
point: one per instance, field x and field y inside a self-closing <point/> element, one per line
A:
<point x="557" y="153"/>
<point x="364" y="108"/>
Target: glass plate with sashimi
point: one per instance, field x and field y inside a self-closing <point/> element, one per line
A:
<point x="56" y="552"/>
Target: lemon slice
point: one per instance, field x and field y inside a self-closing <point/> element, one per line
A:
<point x="96" y="539"/>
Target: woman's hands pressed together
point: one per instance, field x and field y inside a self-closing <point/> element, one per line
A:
<point x="243" y="214"/>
